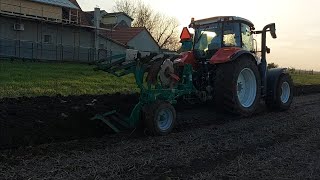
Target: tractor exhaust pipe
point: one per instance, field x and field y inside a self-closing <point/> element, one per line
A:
<point x="272" y="28"/>
<point x="263" y="66"/>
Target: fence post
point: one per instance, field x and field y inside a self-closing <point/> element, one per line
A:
<point x="89" y="54"/>
<point x="98" y="55"/>
<point x="56" y="52"/>
<point x="19" y="47"/>
<point x="32" y="51"/>
<point x="62" y="52"/>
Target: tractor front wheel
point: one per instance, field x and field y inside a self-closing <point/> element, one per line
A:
<point x="159" y="118"/>
<point x="238" y="86"/>
<point x="282" y="98"/>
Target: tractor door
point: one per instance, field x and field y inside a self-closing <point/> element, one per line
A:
<point x="246" y="37"/>
<point x="231" y="34"/>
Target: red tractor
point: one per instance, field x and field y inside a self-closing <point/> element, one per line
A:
<point x="227" y="68"/>
<point x="219" y="65"/>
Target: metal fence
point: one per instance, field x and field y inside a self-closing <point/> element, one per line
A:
<point x="19" y="49"/>
<point x="301" y="71"/>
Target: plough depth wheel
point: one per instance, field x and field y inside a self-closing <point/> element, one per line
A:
<point x="159" y="118"/>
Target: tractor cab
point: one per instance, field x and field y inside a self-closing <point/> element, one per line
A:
<point x="215" y="33"/>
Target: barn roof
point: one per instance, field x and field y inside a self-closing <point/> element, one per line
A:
<point x="61" y="3"/>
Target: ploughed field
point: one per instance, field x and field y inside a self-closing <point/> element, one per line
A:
<point x="48" y="136"/>
<point x="204" y="145"/>
<point x="36" y="120"/>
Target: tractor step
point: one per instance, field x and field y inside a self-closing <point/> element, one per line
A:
<point x="114" y="120"/>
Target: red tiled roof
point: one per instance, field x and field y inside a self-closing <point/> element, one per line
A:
<point x="124" y="35"/>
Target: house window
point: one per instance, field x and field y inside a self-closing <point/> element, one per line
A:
<point x="47" y="39"/>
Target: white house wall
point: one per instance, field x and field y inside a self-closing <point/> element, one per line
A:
<point x="144" y="42"/>
<point x="111" y="47"/>
<point x="68" y="43"/>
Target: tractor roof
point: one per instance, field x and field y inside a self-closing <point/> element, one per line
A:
<point x="223" y="19"/>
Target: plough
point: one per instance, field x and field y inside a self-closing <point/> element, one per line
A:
<point x="159" y="89"/>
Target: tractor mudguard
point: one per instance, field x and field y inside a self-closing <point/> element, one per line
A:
<point x="227" y="54"/>
<point x="273" y="76"/>
<point x="240" y="53"/>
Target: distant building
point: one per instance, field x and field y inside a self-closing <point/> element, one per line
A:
<point x="120" y="30"/>
<point x="136" y="38"/>
<point x="60" y="30"/>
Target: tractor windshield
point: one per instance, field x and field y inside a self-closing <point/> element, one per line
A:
<point x="208" y="38"/>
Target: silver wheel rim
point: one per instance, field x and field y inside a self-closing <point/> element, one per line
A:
<point x="246" y="87"/>
<point x="285" y="92"/>
<point x="165" y="119"/>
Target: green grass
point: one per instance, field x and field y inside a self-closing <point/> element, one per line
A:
<point x="37" y="79"/>
<point x="48" y="79"/>
<point x="306" y="79"/>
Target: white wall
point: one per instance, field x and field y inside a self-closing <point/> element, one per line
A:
<point x="111" y="46"/>
<point x="144" y="42"/>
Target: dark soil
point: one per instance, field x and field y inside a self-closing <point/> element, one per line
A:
<point x="30" y="121"/>
<point x="306" y="89"/>
<point x="269" y="145"/>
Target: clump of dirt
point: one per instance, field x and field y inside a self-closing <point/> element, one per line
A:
<point x="30" y="121"/>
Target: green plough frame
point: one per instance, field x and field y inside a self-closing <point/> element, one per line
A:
<point x="148" y="93"/>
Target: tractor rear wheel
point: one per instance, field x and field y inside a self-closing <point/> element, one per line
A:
<point x="159" y="118"/>
<point x="238" y="87"/>
<point x="282" y="99"/>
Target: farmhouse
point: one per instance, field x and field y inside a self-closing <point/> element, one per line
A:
<point x="60" y="31"/>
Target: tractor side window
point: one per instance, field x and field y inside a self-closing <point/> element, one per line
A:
<point x="247" y="39"/>
<point x="231" y="35"/>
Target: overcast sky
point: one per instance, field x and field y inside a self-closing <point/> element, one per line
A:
<point x="297" y="21"/>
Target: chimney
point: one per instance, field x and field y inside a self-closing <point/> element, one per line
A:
<point x="97" y="17"/>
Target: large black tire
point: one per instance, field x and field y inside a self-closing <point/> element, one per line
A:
<point x="274" y="101"/>
<point x="152" y="114"/>
<point x="226" y="87"/>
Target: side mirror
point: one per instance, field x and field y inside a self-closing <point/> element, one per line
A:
<point x="191" y="23"/>
<point x="273" y="31"/>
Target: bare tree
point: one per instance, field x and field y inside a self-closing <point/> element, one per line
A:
<point x="163" y="28"/>
<point x="128" y="7"/>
